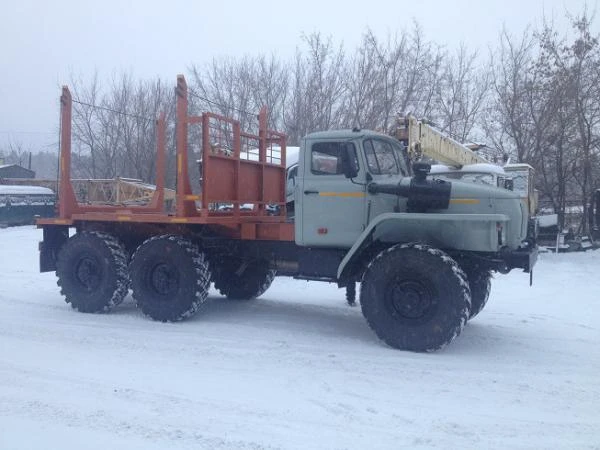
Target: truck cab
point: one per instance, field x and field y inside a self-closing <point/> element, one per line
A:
<point x="381" y="202"/>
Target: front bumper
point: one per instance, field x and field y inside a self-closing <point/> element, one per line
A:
<point x="523" y="258"/>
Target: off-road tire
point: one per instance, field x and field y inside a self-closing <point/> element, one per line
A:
<point x="92" y="271"/>
<point x="253" y="281"/>
<point x="415" y="297"/>
<point x="480" y="285"/>
<point x="170" y="278"/>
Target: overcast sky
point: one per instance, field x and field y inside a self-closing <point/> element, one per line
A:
<point x="43" y="42"/>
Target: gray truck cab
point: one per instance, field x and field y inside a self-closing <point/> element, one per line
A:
<point x="380" y="202"/>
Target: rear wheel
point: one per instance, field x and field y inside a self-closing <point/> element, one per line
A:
<point x="169" y="278"/>
<point x="415" y="297"/>
<point x="242" y="280"/>
<point x="92" y="272"/>
<point x="480" y="285"/>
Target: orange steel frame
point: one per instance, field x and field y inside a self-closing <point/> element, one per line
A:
<point x="226" y="179"/>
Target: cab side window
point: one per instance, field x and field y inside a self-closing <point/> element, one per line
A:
<point x="326" y="157"/>
<point x="381" y="157"/>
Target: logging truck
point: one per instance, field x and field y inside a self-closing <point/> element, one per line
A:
<point x="422" y="247"/>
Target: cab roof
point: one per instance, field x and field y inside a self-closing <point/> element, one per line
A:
<point x="344" y="134"/>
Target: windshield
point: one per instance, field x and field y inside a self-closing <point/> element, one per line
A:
<point x="383" y="158"/>
<point x="520" y="182"/>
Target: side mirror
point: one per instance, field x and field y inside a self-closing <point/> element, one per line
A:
<point x="509" y="184"/>
<point x="348" y="160"/>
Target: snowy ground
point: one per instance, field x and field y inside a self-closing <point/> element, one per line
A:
<point x="297" y="369"/>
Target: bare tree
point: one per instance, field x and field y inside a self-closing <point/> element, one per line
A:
<point x="114" y="130"/>
<point x="16" y="152"/>
<point x="390" y="60"/>
<point x="225" y="87"/>
<point x="318" y="89"/>
<point x="363" y="106"/>
<point x="461" y="93"/>
<point x="391" y="77"/>
<point x="138" y="144"/>
<point x="509" y="123"/>
<point x="528" y="116"/>
<point x="547" y="108"/>
<point x="85" y="130"/>
<point x="419" y="75"/>
<point x="574" y="68"/>
<point x="270" y="87"/>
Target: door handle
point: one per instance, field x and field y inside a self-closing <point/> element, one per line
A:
<point x="310" y="192"/>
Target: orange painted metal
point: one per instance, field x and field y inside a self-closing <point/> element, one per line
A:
<point x="157" y="202"/>
<point x="229" y="177"/>
<point x="67" y="200"/>
<point x="269" y="232"/>
<point x="185" y="207"/>
<point x="232" y="178"/>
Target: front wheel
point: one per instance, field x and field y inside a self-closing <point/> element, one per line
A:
<point x="169" y="278"/>
<point x="415" y="297"/>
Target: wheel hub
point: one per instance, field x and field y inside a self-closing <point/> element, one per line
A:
<point x="410" y="299"/>
<point x="164" y="279"/>
<point x="88" y="273"/>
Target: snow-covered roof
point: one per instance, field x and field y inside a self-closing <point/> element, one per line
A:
<point x="3" y="166"/>
<point x="483" y="167"/>
<point x="517" y="166"/>
<point x="24" y="190"/>
<point x="479" y="168"/>
<point x="547" y="220"/>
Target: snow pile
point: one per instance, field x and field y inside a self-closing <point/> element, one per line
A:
<point x="297" y="368"/>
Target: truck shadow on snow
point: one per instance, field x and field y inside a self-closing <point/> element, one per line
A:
<point x="294" y="318"/>
<point x="274" y="316"/>
<point x="289" y="317"/>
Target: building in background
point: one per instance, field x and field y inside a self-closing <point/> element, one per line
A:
<point x="15" y="171"/>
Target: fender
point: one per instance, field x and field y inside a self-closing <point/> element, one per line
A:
<point x="466" y="232"/>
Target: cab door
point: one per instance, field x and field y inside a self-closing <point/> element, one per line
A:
<point x="330" y="208"/>
<point x="386" y="165"/>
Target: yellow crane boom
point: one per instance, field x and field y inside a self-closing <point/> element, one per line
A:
<point x="422" y="139"/>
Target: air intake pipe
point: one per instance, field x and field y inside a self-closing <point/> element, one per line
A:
<point x="422" y="194"/>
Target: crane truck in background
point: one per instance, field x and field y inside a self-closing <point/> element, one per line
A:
<point x="422" y="248"/>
